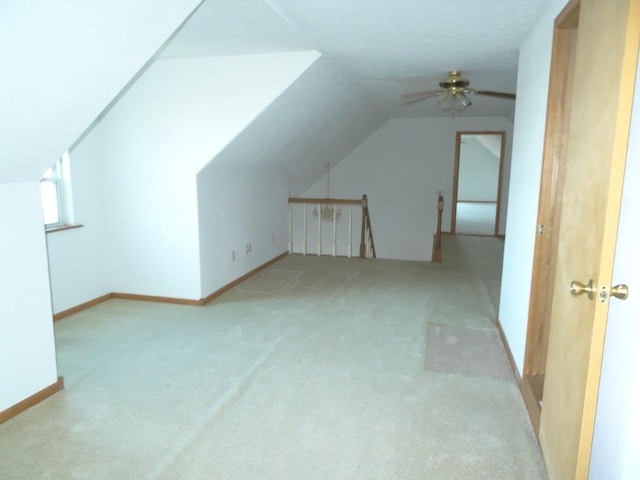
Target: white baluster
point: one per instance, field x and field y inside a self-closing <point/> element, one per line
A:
<point x="304" y="226"/>
<point x="335" y="243"/>
<point x="319" y="230"/>
<point x="350" y="234"/>
<point x="290" y="229"/>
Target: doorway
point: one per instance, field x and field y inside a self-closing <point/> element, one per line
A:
<point x="549" y="208"/>
<point x="476" y="183"/>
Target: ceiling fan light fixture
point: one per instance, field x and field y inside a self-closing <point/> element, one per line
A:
<point x="454" y="102"/>
<point x="462" y="102"/>
<point x="446" y="102"/>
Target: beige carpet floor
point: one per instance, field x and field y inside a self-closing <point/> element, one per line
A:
<point x="316" y="368"/>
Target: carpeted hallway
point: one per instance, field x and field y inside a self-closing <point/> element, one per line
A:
<point x="316" y="368"/>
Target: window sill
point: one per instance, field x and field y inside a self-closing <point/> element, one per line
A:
<point x="62" y="228"/>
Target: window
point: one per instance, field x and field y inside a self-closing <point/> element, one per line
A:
<point x="50" y="192"/>
<point x="55" y="194"/>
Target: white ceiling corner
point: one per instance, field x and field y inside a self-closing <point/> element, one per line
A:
<point x="493" y="143"/>
<point x="235" y="27"/>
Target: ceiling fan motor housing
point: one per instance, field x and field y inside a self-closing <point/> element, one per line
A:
<point x="454" y="80"/>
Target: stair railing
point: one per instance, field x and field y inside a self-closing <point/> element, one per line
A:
<point x="367" y="248"/>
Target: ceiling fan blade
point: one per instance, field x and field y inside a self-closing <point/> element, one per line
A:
<point x="510" y="96"/>
<point x="427" y="94"/>
<point x="439" y="93"/>
<point x="411" y="102"/>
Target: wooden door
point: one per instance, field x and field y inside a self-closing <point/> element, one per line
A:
<point x="604" y="76"/>
<point x="616" y="438"/>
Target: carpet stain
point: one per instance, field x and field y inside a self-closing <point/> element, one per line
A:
<point x="468" y="351"/>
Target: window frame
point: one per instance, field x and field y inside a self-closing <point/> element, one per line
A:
<point x="58" y="175"/>
<point x="55" y="179"/>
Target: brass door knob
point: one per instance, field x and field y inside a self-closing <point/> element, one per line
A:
<point x="578" y="288"/>
<point x="620" y="291"/>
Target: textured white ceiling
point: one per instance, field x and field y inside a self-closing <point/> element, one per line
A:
<point x="407" y="45"/>
<point x="372" y="52"/>
<point x="321" y="118"/>
<point x="235" y="27"/>
<point x="388" y="48"/>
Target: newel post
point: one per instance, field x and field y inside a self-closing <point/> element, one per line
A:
<point x="436" y="256"/>
<point x="363" y="248"/>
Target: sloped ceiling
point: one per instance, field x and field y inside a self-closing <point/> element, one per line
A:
<point x="321" y="118"/>
<point x="409" y="45"/>
<point x="372" y="52"/>
<point x="493" y="143"/>
<point x="235" y="27"/>
<point x="63" y="61"/>
<point x="387" y="48"/>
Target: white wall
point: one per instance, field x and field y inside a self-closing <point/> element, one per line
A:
<point x="151" y="145"/>
<point x="526" y="164"/>
<point x="77" y="258"/>
<point x="27" y="361"/>
<point x="238" y="206"/>
<point x="478" y="173"/>
<point x="321" y="118"/>
<point x="63" y="62"/>
<point x="401" y="168"/>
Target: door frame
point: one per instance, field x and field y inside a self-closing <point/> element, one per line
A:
<point x="549" y="211"/>
<point x="456" y="172"/>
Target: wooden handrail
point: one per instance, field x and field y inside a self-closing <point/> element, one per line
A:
<point x="331" y="201"/>
<point x="436" y="256"/>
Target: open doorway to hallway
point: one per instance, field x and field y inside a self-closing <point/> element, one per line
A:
<point x="476" y="183"/>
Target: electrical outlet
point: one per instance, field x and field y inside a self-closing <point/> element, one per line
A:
<point x="247" y="248"/>
<point x="233" y="255"/>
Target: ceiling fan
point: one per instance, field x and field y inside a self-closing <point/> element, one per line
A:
<point x="454" y="92"/>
